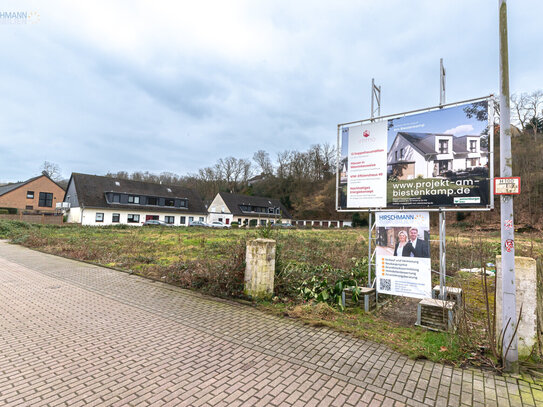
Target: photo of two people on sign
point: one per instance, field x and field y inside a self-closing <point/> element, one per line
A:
<point x="403" y="241"/>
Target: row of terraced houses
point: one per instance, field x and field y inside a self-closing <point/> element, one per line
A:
<point x="98" y="200"/>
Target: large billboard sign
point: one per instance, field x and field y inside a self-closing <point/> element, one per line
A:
<point x="403" y="254"/>
<point x="435" y="158"/>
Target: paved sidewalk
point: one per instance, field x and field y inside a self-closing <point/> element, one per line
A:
<point x="80" y="335"/>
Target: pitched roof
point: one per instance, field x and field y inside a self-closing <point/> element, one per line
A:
<point x="424" y="142"/>
<point x="233" y="201"/>
<point x="91" y="191"/>
<point x="460" y="144"/>
<point x="4" y="189"/>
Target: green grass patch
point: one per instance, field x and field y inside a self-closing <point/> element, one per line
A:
<point x="213" y="261"/>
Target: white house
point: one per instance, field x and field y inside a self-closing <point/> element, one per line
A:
<point x="96" y="200"/>
<point x="243" y="209"/>
<point x="429" y="155"/>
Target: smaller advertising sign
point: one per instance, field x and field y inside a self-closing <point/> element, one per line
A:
<point x="364" y="182"/>
<point x="507" y="186"/>
<point x="403" y="254"/>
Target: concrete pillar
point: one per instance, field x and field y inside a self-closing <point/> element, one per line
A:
<point x="526" y="295"/>
<point x="260" y="268"/>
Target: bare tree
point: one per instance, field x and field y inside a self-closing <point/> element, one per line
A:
<point x="52" y="170"/>
<point x="283" y="161"/>
<point x="526" y="108"/>
<point x="118" y="174"/>
<point x="169" y="178"/>
<point x="262" y="159"/>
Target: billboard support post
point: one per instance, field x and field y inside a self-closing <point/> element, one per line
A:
<point x="375" y="95"/>
<point x="441" y="82"/>
<point x="508" y="294"/>
<point x="370" y="221"/>
<point x="442" y="246"/>
<point x="442" y="258"/>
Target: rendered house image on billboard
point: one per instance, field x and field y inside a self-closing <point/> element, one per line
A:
<point x="429" y="155"/>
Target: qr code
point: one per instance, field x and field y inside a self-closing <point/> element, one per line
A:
<point x="384" y="284"/>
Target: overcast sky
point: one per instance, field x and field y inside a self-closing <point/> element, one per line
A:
<point x="174" y="86"/>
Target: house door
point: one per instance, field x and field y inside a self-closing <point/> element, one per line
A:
<point x="443" y="166"/>
<point x="151" y="217"/>
<point x="227" y="221"/>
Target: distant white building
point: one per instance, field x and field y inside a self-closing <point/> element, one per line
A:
<point x="97" y="200"/>
<point x="429" y="155"/>
<point x="228" y="208"/>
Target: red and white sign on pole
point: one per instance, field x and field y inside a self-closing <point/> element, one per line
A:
<point x="507" y="186"/>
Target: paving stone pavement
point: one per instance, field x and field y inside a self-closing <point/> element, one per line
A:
<point x="75" y="334"/>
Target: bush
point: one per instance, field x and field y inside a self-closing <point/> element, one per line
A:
<point x="11" y="211"/>
<point x="253" y="222"/>
<point x="4" y="211"/>
<point x="358" y="220"/>
<point x="235" y="225"/>
<point x="222" y="277"/>
<point x="460" y="216"/>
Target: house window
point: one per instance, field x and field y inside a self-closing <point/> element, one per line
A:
<point x="277" y="211"/>
<point x="443" y="146"/>
<point x="191" y="219"/>
<point x="133" y="199"/>
<point x="46" y="200"/>
<point x="116" y="198"/>
<point x="169" y="219"/>
<point x="473" y="146"/>
<point x="29" y="207"/>
<point x="116" y="218"/>
<point x="401" y="153"/>
<point x="220" y="219"/>
<point x="396" y="155"/>
<point x="270" y="210"/>
<point x="183" y="203"/>
<point x="263" y="222"/>
<point x="201" y="218"/>
<point x="132" y="218"/>
<point x="30" y="194"/>
<point x="169" y="202"/>
<point x="472" y="162"/>
<point x="152" y="200"/>
<point x="239" y="221"/>
<point x="183" y="220"/>
<point x="99" y="217"/>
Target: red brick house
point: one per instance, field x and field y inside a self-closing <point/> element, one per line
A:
<point x="38" y="194"/>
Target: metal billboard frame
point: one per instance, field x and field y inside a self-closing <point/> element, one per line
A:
<point x="489" y="207"/>
<point x="441" y="210"/>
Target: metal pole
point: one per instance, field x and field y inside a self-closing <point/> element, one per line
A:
<point x="372" y="88"/>
<point x="441" y="83"/>
<point x="338" y="169"/>
<point x="442" y="258"/>
<point x="369" y="249"/>
<point x="508" y="294"/>
<point x="375" y="96"/>
<point x="442" y="235"/>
